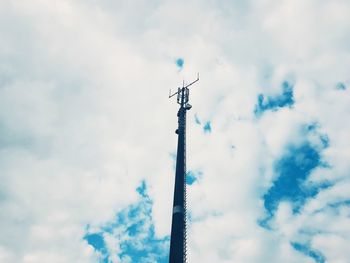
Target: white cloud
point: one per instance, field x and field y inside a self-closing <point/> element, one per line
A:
<point x="84" y="117"/>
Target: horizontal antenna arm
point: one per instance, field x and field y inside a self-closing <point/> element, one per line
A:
<point x="193" y="81"/>
<point x="179" y="90"/>
<point x="171" y="95"/>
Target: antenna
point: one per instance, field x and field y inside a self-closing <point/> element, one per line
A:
<point x="183" y="93"/>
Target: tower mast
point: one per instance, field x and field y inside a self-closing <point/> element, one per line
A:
<point x="178" y="226"/>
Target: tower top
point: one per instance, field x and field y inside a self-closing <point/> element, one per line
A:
<point x="183" y="94"/>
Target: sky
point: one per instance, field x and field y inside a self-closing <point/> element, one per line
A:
<point x="87" y="131"/>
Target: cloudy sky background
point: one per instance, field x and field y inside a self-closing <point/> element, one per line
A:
<point x="87" y="138"/>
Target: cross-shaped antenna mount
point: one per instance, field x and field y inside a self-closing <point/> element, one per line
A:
<point x="183" y="94"/>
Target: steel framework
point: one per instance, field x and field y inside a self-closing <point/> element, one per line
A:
<point x="178" y="250"/>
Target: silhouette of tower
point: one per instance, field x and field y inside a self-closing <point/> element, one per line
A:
<point x="178" y="226"/>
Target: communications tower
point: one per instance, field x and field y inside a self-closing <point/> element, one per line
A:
<point x="178" y="225"/>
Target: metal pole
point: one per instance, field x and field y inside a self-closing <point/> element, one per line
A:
<point x="178" y="251"/>
<point x="178" y="228"/>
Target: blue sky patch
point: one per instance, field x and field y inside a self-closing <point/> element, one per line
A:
<point x="142" y="189"/>
<point x="97" y="242"/>
<point x="341" y="86"/>
<point x="180" y="63"/>
<point x="285" y="99"/>
<point x="192" y="177"/>
<point x="292" y="171"/>
<point x="134" y="228"/>
<point x="207" y="127"/>
<point x="308" y="251"/>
